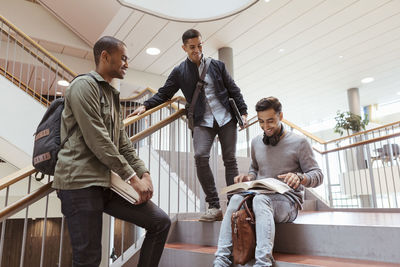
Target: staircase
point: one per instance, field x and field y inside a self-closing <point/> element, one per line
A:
<point x="315" y="238"/>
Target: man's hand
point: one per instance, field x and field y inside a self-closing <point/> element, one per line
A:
<point x="242" y="178"/>
<point x="142" y="187"/>
<point x="147" y="179"/>
<point x="290" y="179"/>
<point x="245" y="123"/>
<point x="137" y="111"/>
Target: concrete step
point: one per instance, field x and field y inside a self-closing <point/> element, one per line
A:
<point x="351" y="235"/>
<point x="181" y="254"/>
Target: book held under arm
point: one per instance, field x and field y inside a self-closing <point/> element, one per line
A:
<point x="122" y="188"/>
<point x="265" y="185"/>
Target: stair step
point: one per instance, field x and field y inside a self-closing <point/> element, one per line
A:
<point x="175" y="254"/>
<point x="357" y="235"/>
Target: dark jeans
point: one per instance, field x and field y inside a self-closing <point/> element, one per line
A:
<point x="203" y="138"/>
<point x="83" y="209"/>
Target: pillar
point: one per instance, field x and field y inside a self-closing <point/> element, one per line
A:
<point x="225" y="54"/>
<point x="353" y="98"/>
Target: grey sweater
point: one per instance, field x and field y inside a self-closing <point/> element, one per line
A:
<point x="292" y="154"/>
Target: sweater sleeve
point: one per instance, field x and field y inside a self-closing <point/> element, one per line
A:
<point x="309" y="165"/>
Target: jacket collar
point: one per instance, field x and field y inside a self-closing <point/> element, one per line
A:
<point x="100" y="79"/>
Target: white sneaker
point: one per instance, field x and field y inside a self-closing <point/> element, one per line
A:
<point x="212" y="215"/>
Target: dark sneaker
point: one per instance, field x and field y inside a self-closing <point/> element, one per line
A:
<point x="211" y="215"/>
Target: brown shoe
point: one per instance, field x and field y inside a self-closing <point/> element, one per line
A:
<point x="212" y="215"/>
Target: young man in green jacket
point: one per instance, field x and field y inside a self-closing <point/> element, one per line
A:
<point x="99" y="145"/>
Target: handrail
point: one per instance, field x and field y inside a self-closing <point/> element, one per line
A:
<point x="18" y="83"/>
<point x="376" y="139"/>
<point x="25" y="201"/>
<point x="16" y="176"/>
<point x="310" y="135"/>
<point x="158" y="126"/>
<point x="131" y="120"/>
<point x="36" y="45"/>
<point x="364" y="132"/>
<point x="140" y="94"/>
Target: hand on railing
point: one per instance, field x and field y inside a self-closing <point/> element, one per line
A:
<point x="137" y="111"/>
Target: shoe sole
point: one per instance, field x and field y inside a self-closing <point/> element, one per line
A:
<point x="211" y="220"/>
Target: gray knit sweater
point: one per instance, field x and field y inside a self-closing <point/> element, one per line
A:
<point x="292" y="154"/>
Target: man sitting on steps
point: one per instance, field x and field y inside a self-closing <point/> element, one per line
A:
<point x="282" y="155"/>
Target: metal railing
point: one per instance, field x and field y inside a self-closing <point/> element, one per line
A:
<point x="29" y="66"/>
<point x="162" y="141"/>
<point x="361" y="170"/>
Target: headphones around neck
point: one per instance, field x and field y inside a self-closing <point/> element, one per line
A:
<point x="274" y="139"/>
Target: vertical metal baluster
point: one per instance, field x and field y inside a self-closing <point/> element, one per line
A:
<point x="15" y="60"/>
<point x="3" y="227"/>
<point x="328" y="178"/>
<point x="20" y="65"/>
<point x="122" y="240"/>
<point x="61" y="240"/>
<point x="371" y="177"/>
<point x="7" y="49"/>
<point x="386" y="181"/>
<point x="379" y="175"/>
<point x="348" y="170"/>
<point x="44" y="227"/>
<point x="187" y="166"/>
<point x="22" y="257"/>
<point x="169" y="165"/>
<point x="159" y="166"/>
<point x="179" y="162"/>
<point x="149" y="140"/>
<point x="391" y="153"/>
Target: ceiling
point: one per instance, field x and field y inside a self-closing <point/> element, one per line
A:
<point x="307" y="53"/>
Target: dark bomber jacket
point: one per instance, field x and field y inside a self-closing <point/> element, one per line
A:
<point x="185" y="77"/>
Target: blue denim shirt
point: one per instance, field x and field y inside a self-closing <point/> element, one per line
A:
<point x="213" y="107"/>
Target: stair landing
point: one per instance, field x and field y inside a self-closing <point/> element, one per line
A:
<point x="307" y="260"/>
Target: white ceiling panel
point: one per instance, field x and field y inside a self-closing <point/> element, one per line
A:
<point x="308" y="76"/>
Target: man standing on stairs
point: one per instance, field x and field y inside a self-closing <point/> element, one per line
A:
<point x="212" y="113"/>
<point x="98" y="144"/>
<point x="282" y="155"/>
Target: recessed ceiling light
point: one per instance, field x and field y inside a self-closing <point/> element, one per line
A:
<point x="152" y="51"/>
<point x="59" y="93"/>
<point x="63" y="83"/>
<point x="368" y="80"/>
<point x="341" y="56"/>
<point x="266" y="1"/>
<point x="398" y="93"/>
<point x="281" y="50"/>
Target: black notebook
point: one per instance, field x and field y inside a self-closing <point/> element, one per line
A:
<point x="236" y="111"/>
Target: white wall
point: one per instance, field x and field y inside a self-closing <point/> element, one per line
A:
<point x="38" y="23"/>
<point x="20" y="116"/>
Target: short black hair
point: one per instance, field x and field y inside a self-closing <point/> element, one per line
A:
<point x="107" y="43"/>
<point x="189" y="34"/>
<point x="269" y="102"/>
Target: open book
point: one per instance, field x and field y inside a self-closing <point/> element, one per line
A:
<point x="122" y="188"/>
<point x="265" y="185"/>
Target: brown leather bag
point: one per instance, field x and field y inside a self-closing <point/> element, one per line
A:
<point x="243" y="233"/>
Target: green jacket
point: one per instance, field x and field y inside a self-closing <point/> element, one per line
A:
<point x="90" y="153"/>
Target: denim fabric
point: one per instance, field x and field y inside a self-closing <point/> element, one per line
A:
<point x="203" y="138"/>
<point x="268" y="210"/>
<point x="83" y="209"/>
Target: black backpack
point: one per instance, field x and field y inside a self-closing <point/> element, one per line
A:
<point x="48" y="136"/>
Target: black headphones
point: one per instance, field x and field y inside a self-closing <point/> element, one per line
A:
<point x="274" y="139"/>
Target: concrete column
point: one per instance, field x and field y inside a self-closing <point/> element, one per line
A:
<point x="353" y="98"/>
<point x="225" y="54"/>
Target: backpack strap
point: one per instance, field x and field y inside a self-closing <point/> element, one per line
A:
<point x="71" y="132"/>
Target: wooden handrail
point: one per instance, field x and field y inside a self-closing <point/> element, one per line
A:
<point x="158" y="126"/>
<point x="140" y="94"/>
<point x="131" y="120"/>
<point x="16" y="176"/>
<point x="19" y="83"/>
<point x="363" y="132"/>
<point x="376" y="139"/>
<point x="36" y="45"/>
<point x="25" y="201"/>
<point x="309" y="135"/>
